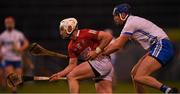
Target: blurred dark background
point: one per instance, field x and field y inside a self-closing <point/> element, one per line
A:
<point x="39" y="21"/>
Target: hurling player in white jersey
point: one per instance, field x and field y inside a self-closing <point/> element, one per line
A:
<point x="152" y="38"/>
<point x="12" y="45"/>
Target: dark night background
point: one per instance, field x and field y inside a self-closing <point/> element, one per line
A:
<point x="39" y="19"/>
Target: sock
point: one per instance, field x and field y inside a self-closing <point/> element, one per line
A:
<point x="27" y="78"/>
<point x="164" y="88"/>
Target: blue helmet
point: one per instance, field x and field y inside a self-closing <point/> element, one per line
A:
<point x="122" y="8"/>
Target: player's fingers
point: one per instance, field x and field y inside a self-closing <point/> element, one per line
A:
<point x="53" y="79"/>
<point x="90" y="58"/>
<point x="87" y="57"/>
<point x="54" y="75"/>
<point x="94" y="56"/>
<point x="103" y="53"/>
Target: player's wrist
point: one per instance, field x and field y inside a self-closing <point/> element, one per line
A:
<point x="98" y="50"/>
<point x="60" y="74"/>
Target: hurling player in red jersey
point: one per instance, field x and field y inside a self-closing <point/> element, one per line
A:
<point x="82" y="42"/>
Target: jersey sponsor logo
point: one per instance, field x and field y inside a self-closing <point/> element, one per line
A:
<point x="7" y="43"/>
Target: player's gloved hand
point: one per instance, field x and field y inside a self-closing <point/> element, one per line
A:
<point x="55" y="77"/>
<point x="91" y="55"/>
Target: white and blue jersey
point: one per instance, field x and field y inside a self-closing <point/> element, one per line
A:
<point x="150" y="37"/>
<point x="7" y="40"/>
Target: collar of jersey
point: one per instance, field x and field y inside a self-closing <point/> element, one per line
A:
<point x="11" y="31"/>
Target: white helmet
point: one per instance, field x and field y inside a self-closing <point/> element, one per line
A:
<point x="67" y="26"/>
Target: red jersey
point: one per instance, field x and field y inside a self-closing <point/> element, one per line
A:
<point x="87" y="40"/>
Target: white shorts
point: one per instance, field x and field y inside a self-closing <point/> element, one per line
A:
<point x="102" y="67"/>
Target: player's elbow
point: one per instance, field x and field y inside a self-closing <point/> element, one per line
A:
<point x="108" y="36"/>
<point x="26" y="44"/>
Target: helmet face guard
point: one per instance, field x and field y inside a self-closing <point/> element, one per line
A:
<point x="67" y="27"/>
<point x="65" y="33"/>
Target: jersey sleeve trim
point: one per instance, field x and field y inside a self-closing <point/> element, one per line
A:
<point x="127" y="33"/>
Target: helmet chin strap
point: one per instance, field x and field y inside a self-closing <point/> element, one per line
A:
<point x="123" y="19"/>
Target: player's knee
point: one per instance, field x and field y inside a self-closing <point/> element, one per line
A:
<point x="98" y="89"/>
<point x="138" y="78"/>
<point x="70" y="76"/>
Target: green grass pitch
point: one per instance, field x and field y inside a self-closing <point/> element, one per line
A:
<point x="85" y="87"/>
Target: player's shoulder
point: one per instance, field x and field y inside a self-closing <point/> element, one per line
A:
<point x="87" y="30"/>
<point x="2" y="33"/>
<point x="135" y="19"/>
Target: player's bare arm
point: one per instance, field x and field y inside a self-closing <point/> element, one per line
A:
<point x="105" y="39"/>
<point x="23" y="47"/>
<point x="116" y="45"/>
<point x="25" y="44"/>
<point x="69" y="68"/>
